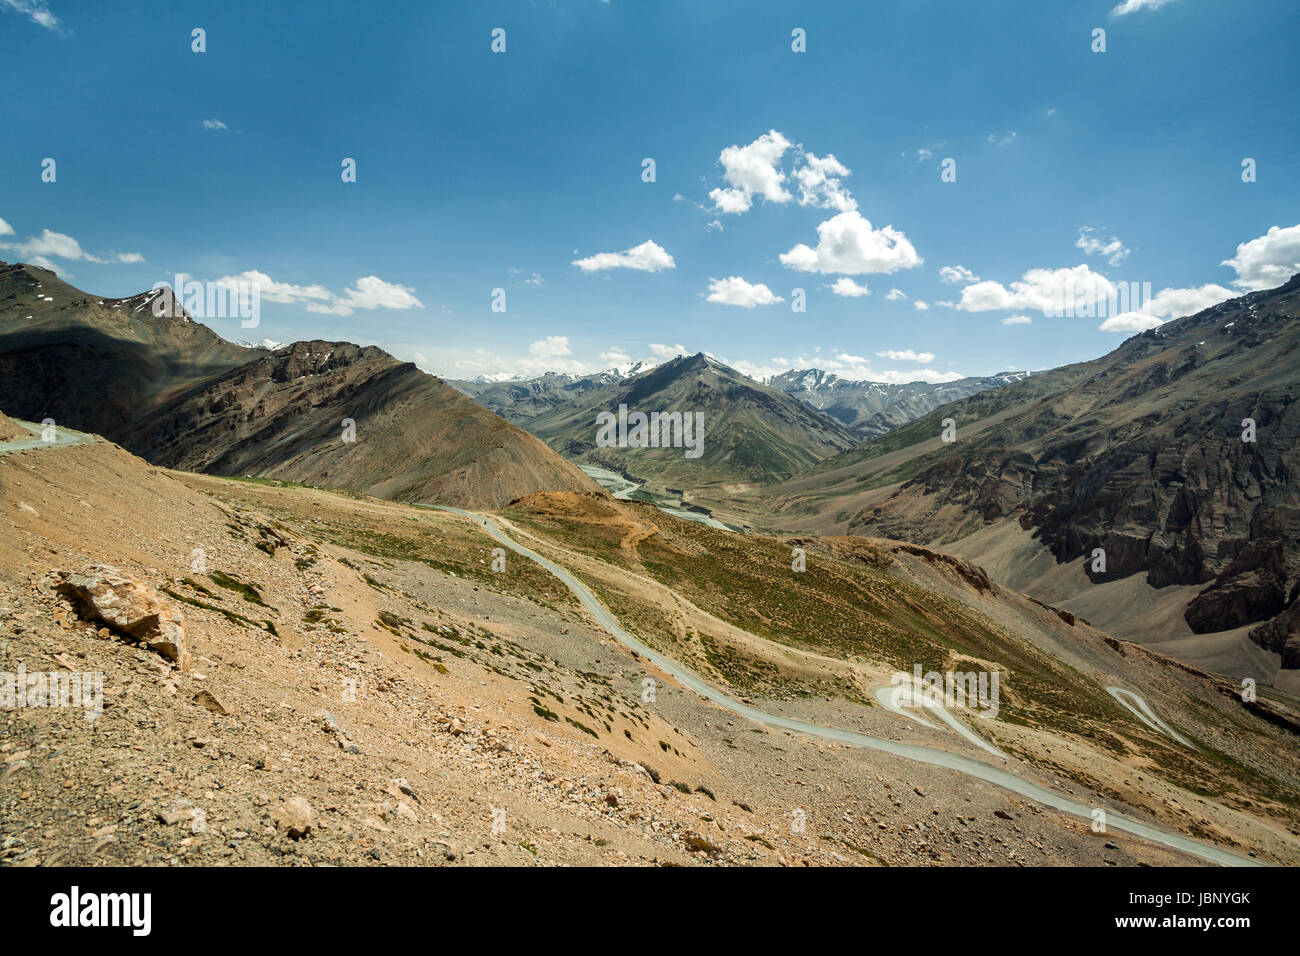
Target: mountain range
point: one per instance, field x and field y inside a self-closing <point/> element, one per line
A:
<point x="1175" y="456"/>
<point x="869" y="409"/>
<point x="174" y="392"/>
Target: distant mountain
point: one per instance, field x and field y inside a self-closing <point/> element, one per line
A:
<point x="869" y="409"/>
<point x="174" y="392"/>
<point x="752" y="433"/>
<point x="520" y="400"/>
<point x="1139" y="453"/>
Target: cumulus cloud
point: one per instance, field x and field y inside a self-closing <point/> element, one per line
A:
<point x="39" y="250"/>
<point x="734" y="290"/>
<point x="647" y="257"/>
<point x="1041" y="290"/>
<point x="214" y="124"/>
<point x="1130" y="322"/>
<point x="895" y="295"/>
<point x="50" y="243"/>
<point x="750" y="171"/>
<point x="906" y="355"/>
<point x="372" y="292"/>
<point x="758" y="171"/>
<point x="954" y="275"/>
<point x="551" y="347"/>
<point x="1268" y="260"/>
<point x="848" y="288"/>
<point x="921" y="305"/>
<point x="42" y="263"/>
<point x="1017" y="320"/>
<point x="847" y="243"/>
<point x="271" y="291"/>
<point x="820" y="183"/>
<point x="616" y="355"/>
<point x="667" y="352"/>
<point x="1092" y="245"/>
<point x="368" y="292"/>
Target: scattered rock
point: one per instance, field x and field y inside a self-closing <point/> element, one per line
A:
<point x="296" y="817"/>
<point x="131" y="606"/>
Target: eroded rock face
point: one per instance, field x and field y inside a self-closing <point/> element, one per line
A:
<point x="131" y="606"/>
<point x="1144" y="454"/>
<point x="1282" y="636"/>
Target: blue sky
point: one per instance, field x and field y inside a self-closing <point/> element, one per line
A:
<point x="522" y="171"/>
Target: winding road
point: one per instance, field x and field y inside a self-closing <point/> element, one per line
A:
<point x="63" y="437"/>
<point x="997" y="776"/>
<point x="1143" y="712"/>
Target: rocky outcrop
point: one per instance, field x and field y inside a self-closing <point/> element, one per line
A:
<point x="130" y="606"/>
<point x="1177" y="455"/>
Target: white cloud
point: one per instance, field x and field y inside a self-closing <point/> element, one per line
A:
<point x="1042" y="290"/>
<point x="847" y="287"/>
<point x="129" y="257"/>
<point x="647" y="257"/>
<point x="42" y="263"/>
<point x="1114" y="250"/>
<point x="847" y="243"/>
<point x="955" y="274"/>
<point x="551" y="347"/>
<point x="1268" y="260"/>
<point x="372" y="292"/>
<point x="1130" y="322"/>
<point x="895" y="294"/>
<point x="368" y="292"/>
<point x="734" y="290"/>
<point x="752" y="170"/>
<point x="38" y="11"/>
<point x="616" y="355"/>
<point x="1017" y="320"/>
<point x="1174" y="303"/>
<point x="1006" y="139"/>
<point x="713" y="225"/>
<point x="667" y="352"/>
<point x="923" y="154"/>
<point x="50" y="243"/>
<point x="921" y="305"/>
<point x="272" y="291"/>
<point x="1130" y="6"/>
<point x="820" y="185"/>
<point x="214" y="124"/>
<point x="6" y="229"/>
<point x="906" y="355"/>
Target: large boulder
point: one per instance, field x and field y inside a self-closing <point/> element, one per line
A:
<point x="131" y="606"/>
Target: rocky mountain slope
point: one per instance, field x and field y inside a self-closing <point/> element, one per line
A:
<point x="174" y="392"/>
<point x="363" y="688"/>
<point x="752" y="433"/>
<point x="1139" y="454"/>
